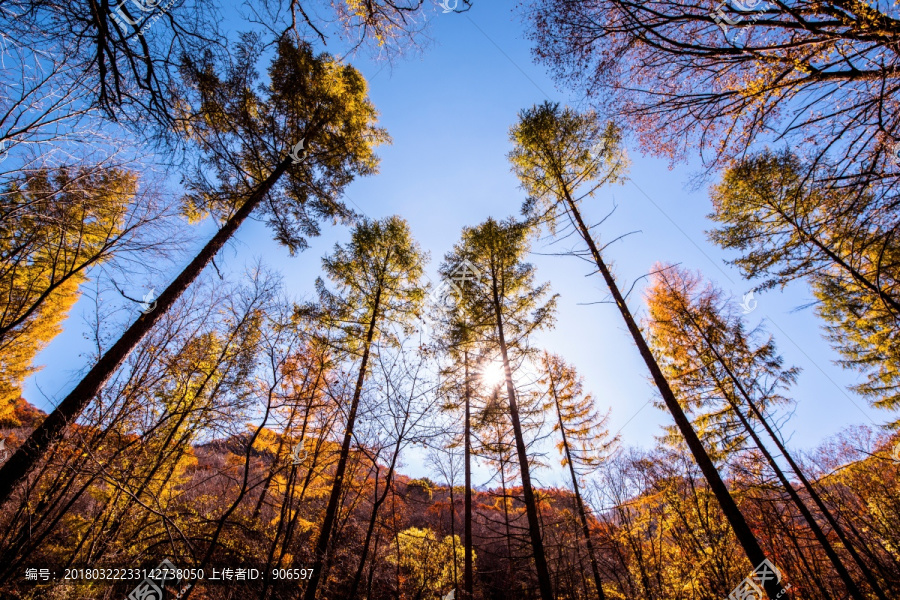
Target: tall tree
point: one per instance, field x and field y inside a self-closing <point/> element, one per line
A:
<point x="721" y="371"/>
<point x="55" y="227"/>
<point x="406" y="403"/>
<point x="845" y="245"/>
<point x="708" y="355"/>
<point x="377" y="278"/>
<point x="495" y="444"/>
<point x="244" y="135"/>
<point x="583" y="434"/>
<point x="562" y="157"/>
<point x="507" y="306"/>
<point x="458" y="380"/>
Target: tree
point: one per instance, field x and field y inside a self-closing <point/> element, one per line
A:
<point x="243" y="135"/>
<point x="803" y="72"/>
<point x="130" y="451"/>
<point x="309" y="374"/>
<point x="505" y="308"/>
<point x="55" y="227"/>
<point x="395" y="422"/>
<point x="377" y="277"/>
<point x="458" y="380"/>
<point x="786" y="227"/>
<point x="582" y="437"/>
<point x="495" y="443"/>
<point x="124" y="57"/>
<point x="708" y="357"/>
<point x="554" y="161"/>
<point x="446" y="462"/>
<point x="428" y="563"/>
<point x="46" y="104"/>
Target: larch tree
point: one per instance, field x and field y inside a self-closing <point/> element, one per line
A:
<point x="245" y="139"/>
<point x="786" y="227"/>
<point x="561" y="158"/>
<point x="458" y="381"/>
<point x="583" y="438"/>
<point x="730" y="382"/>
<point x="377" y="278"/>
<point x="55" y="228"/>
<point x="506" y="305"/>
<point x="495" y="444"/>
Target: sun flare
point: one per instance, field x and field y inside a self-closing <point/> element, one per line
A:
<point x="493" y="375"/>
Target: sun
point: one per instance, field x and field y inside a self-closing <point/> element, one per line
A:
<point x="493" y="374"/>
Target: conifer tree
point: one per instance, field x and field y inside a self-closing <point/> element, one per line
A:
<point x="377" y="278"/>
<point x="459" y="382"/>
<point x="250" y="142"/>
<point x="495" y="443"/>
<point x="843" y="244"/>
<point x="55" y="226"/>
<point x="561" y="158"/>
<point x="582" y="434"/>
<point x="730" y="382"/>
<point x="505" y="306"/>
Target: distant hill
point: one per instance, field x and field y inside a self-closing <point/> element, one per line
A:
<point x="25" y="415"/>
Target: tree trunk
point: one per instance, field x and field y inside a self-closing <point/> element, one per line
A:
<point x="468" y="575"/>
<point x="52" y="428"/>
<point x="867" y="573"/>
<point x="453" y="539"/>
<point x="861" y="279"/>
<point x="534" y="526"/>
<point x="801" y="506"/>
<point x="509" y="552"/>
<point x="376" y="506"/>
<point x="595" y="569"/>
<point x="729" y="507"/>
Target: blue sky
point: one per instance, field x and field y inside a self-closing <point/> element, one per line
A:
<point x="448" y="111"/>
